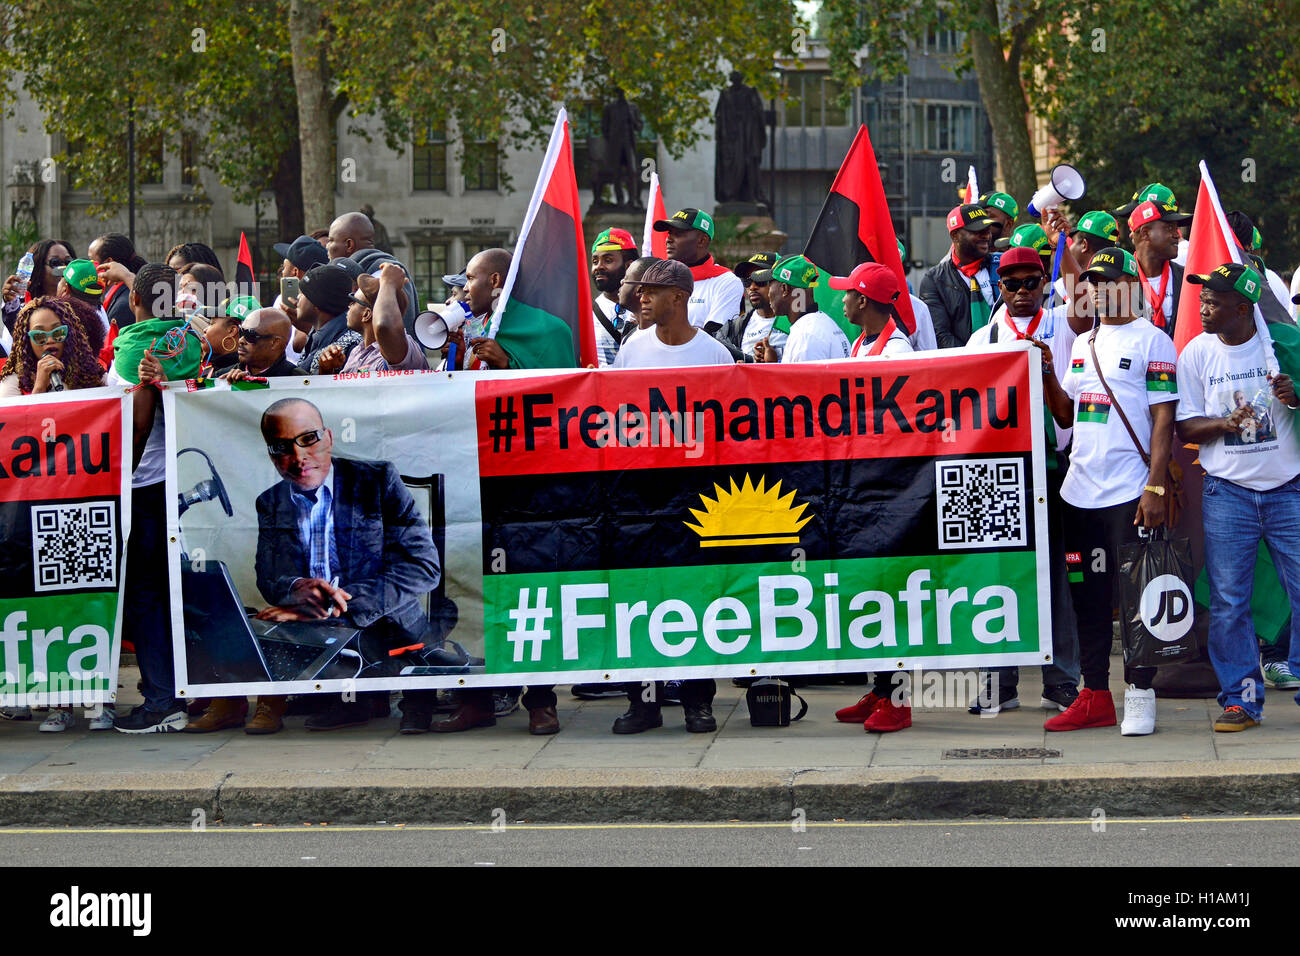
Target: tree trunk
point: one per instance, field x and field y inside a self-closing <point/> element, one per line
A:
<point x="1004" y="100"/>
<point x="288" y="194"/>
<point x="314" y="132"/>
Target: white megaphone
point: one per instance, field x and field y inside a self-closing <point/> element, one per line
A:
<point x="433" y="327"/>
<point x="1065" y="185"/>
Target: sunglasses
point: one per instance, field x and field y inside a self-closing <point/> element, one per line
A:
<point x="57" y="263"/>
<point x="357" y="300"/>
<point x="761" y="285"/>
<point x="284" y="446"/>
<point x="255" y="337"/>
<point x="1029" y="284"/>
<point x="57" y="334"/>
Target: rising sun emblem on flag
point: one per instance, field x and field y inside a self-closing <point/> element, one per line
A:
<point x="748" y="514"/>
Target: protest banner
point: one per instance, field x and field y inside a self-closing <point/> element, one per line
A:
<point x="610" y="525"/>
<point x="65" y="507"/>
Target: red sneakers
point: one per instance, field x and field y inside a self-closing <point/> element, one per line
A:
<point x="888" y="717"/>
<point x="860" y="711"/>
<point x="1090" y="709"/>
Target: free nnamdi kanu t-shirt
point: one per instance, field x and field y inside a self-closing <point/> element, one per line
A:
<point x="1138" y="361"/>
<point x="1217" y="379"/>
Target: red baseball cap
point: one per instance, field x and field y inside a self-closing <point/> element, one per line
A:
<point x="877" y="282"/>
<point x="1018" y="256"/>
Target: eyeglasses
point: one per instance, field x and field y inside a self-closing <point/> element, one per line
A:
<point x="255" y="337"/>
<point x="57" y="263"/>
<point x="40" y="337"/>
<point x="1029" y="284"/>
<point x="284" y="446"/>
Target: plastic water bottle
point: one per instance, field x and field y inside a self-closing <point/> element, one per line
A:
<point x="25" y="266"/>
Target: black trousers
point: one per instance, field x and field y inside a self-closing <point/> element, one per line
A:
<point x="694" y="693"/>
<point x="1096" y="534"/>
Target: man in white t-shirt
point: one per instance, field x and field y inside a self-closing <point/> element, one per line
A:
<point x="814" y="335"/>
<point x="870" y="293"/>
<point x="1109" y="489"/>
<point x="715" y="298"/>
<point x="1023" y="285"/>
<point x="671" y="342"/>
<point x="1243" y="418"/>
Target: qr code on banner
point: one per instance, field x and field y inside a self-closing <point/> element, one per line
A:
<point x="981" y="503"/>
<point x="74" y="546"/>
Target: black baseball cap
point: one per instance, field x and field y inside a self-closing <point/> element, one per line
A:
<point x="328" y="288"/>
<point x="1231" y="277"/>
<point x="688" y="218"/>
<point x="758" y="262"/>
<point x="304" y="252"/>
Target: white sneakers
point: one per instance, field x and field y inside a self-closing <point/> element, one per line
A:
<point x="58" y="721"/>
<point x="1139" y="712"/>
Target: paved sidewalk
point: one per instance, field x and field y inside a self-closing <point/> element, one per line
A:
<point x="948" y="763"/>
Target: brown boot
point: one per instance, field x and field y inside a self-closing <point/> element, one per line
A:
<point x="269" y="716"/>
<point x="543" y="721"/>
<point x="475" y="710"/>
<point x="223" y="712"/>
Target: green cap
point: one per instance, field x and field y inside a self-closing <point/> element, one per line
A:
<point x="796" y="271"/>
<point x="1256" y="240"/>
<point x="1110" y="264"/>
<point x="1157" y="193"/>
<point x="240" y="306"/>
<point x="902" y="250"/>
<point x="80" y="275"/>
<point x="1032" y="236"/>
<point x="1231" y="277"/>
<point x="1100" y="224"/>
<point x="1000" y="201"/>
<point x="688" y="218"/>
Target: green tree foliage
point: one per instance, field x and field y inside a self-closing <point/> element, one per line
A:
<point x="1141" y="91"/>
<point x="493" y="70"/>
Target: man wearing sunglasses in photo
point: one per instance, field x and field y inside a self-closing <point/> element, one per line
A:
<point x="1023" y="285"/>
<point x="339" y="538"/>
<point x="263" y="337"/>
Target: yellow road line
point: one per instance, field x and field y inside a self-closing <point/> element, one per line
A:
<point x="472" y="827"/>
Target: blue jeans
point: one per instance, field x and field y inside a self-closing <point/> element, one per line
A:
<point x="1236" y="518"/>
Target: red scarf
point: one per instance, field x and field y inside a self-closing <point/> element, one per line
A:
<point x="708" y="269"/>
<point x="1034" y="323"/>
<point x="877" y="346"/>
<point x="1157" y="299"/>
<point x="969" y="269"/>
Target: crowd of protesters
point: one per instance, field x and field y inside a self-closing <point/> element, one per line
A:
<point x="1117" y="397"/>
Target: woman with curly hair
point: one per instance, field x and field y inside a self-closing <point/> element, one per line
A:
<point x="51" y="352"/>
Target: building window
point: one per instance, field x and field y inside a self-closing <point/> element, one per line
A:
<point x="812" y="100"/>
<point x="480" y="167"/>
<point x="429" y="163"/>
<point x="149" y="159"/>
<point x="944" y="41"/>
<point x="428" y="266"/>
<point x="943" y="127"/>
<point x="189" y="160"/>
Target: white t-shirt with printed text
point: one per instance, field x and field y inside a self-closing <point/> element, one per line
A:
<point x="1216" y="379"/>
<point x="1139" y="363"/>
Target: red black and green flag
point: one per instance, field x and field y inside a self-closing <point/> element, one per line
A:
<point x="245" y="280"/>
<point x="543" y="319"/>
<point x="854" y="227"/>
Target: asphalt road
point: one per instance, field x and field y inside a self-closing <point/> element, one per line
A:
<point x="1203" y="842"/>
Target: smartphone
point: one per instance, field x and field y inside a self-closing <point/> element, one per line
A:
<point x="289" y="288"/>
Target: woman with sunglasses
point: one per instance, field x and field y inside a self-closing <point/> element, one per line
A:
<point x="51" y="258"/>
<point x="51" y="352"/>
